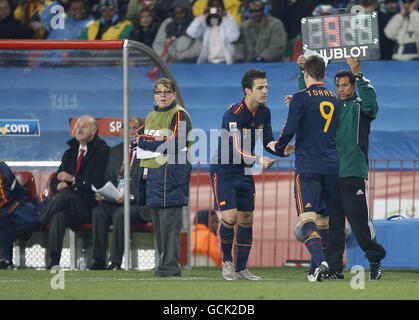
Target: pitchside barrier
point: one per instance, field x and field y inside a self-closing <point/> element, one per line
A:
<point x="391" y="192"/>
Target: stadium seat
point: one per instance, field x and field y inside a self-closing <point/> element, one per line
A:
<point x="47" y="189"/>
<point x="27" y="180"/>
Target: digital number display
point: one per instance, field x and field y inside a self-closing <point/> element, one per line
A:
<point x="338" y="37"/>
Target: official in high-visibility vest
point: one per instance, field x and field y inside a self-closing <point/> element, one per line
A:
<point x="165" y="172"/>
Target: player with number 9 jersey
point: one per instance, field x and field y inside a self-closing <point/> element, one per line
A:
<point x="313" y="116"/>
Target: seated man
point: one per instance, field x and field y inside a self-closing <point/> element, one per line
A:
<point x="204" y="236"/>
<point x="15" y="211"/>
<point x="82" y="166"/>
<point x="107" y="212"/>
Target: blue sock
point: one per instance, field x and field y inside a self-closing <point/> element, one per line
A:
<point x="312" y="241"/>
<point x="244" y="244"/>
<point x="227" y="236"/>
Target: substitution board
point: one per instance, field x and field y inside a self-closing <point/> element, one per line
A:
<point x="338" y="37"/>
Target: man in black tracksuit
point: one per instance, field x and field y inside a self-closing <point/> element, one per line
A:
<point x="356" y="114"/>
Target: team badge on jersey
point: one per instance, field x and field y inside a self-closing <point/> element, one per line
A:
<point x="233" y="126"/>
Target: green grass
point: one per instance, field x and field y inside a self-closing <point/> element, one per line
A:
<point x="203" y="283"/>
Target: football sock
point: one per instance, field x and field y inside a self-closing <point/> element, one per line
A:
<point x="244" y="244"/>
<point x="312" y="241"/>
<point x="226" y="236"/>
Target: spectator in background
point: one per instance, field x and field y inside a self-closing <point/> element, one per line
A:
<point x="82" y="166"/>
<point x="146" y="29"/>
<point x="404" y="29"/>
<point x="204" y="236"/>
<point x="108" y="212"/>
<point x="110" y="26"/>
<point x="49" y="14"/>
<point x="28" y="12"/>
<point x="76" y="20"/>
<point x="232" y="6"/>
<point x="218" y="30"/>
<point x="134" y="8"/>
<point x="183" y="48"/>
<point x="262" y="38"/>
<point x="387" y="45"/>
<point x="291" y="12"/>
<point x="15" y="211"/>
<point x="385" y="42"/>
<point x="10" y="28"/>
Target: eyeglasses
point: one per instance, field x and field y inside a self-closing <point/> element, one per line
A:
<point x="256" y="10"/>
<point x="163" y="92"/>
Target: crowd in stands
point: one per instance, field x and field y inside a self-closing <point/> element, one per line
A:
<point x="205" y="31"/>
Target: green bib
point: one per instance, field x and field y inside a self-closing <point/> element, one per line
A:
<point x="159" y="123"/>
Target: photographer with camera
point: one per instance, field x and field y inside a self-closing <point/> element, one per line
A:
<point x="218" y="30"/>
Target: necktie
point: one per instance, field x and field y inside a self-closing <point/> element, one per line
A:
<point x="82" y="151"/>
<point x="130" y="156"/>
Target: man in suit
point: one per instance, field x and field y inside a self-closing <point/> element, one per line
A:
<point x="108" y="212"/>
<point x="82" y="166"/>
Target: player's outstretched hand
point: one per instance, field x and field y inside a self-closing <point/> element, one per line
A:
<point x="271" y="145"/>
<point x="287" y="99"/>
<point x="266" y="162"/>
<point x="355" y="65"/>
<point x="289" y="149"/>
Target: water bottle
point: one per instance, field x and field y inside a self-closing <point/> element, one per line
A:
<point x="121" y="186"/>
<point x="82" y="260"/>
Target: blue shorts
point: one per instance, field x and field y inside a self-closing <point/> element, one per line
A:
<point x="232" y="189"/>
<point x="314" y="192"/>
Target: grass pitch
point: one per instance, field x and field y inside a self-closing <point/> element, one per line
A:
<point x="286" y="283"/>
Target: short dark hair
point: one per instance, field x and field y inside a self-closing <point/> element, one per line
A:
<point x="345" y="73"/>
<point x="250" y="76"/>
<point x="315" y="67"/>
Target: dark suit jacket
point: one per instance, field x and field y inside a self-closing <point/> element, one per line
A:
<point x="113" y="169"/>
<point x="91" y="170"/>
